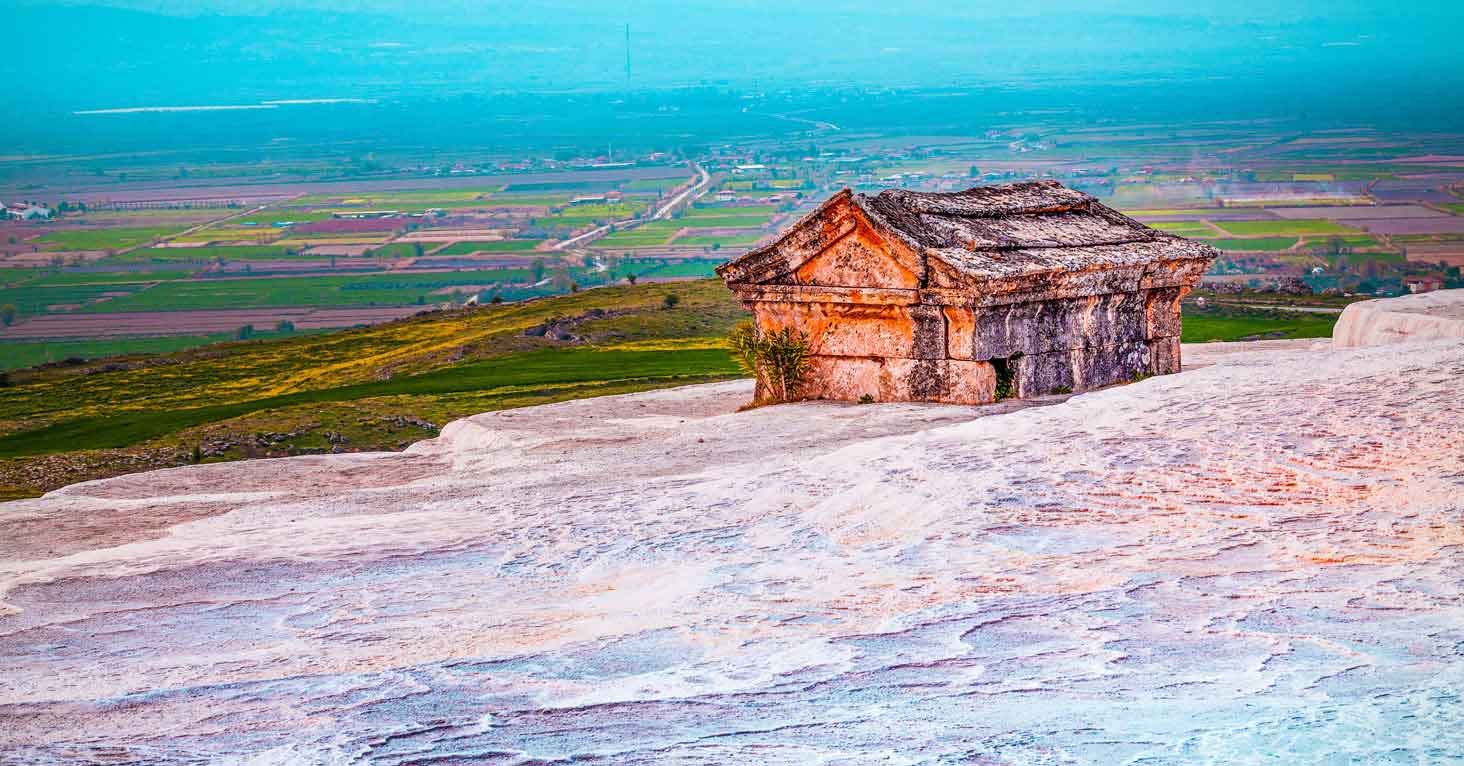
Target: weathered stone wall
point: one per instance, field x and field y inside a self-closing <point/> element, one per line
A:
<point x="911" y="351"/>
<point x="892" y="379"/>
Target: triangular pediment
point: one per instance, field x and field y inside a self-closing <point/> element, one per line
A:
<point x="836" y="245"/>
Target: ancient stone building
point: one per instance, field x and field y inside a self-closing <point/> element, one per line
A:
<point x="911" y="296"/>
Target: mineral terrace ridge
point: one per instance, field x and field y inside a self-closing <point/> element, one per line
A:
<point x="1256" y="560"/>
<point x="913" y="296"/>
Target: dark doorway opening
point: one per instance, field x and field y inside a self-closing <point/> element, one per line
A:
<point x="1006" y="376"/>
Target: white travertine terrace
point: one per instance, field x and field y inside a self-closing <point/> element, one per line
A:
<point x="1421" y="317"/>
<point x="1259" y="560"/>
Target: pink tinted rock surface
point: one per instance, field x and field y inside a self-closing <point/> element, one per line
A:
<point x="1405" y="319"/>
<point x="1253" y="561"/>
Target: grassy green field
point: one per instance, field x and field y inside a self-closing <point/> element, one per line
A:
<point x="1352" y="240"/>
<point x="728" y="217"/>
<point x="652" y="184"/>
<point x="702" y="269"/>
<point x="273" y="216"/>
<point x="579" y="215"/>
<point x="103" y="238"/>
<point x="1184" y="228"/>
<point x="231" y="234"/>
<point x="1262" y="244"/>
<point x="724" y="240"/>
<point x="206" y="253"/>
<point x="96" y="420"/>
<point x="500" y="246"/>
<point x="544" y="367"/>
<point x="529" y="199"/>
<point x="1297" y="227"/>
<point x="11" y="277"/>
<point x="30" y="299"/>
<point x="1229" y="323"/>
<point x="401" y="249"/>
<point x="652" y="234"/>
<point x="393" y="200"/>
<point x="15" y="355"/>
<point x="61" y="278"/>
<point x="352" y="290"/>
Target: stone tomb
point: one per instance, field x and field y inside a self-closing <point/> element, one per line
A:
<point x="912" y="296"/>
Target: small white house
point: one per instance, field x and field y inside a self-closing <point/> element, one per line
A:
<point x="27" y="212"/>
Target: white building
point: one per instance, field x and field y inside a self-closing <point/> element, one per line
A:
<point x="25" y="211"/>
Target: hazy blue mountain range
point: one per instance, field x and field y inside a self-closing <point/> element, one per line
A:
<point x="453" y="62"/>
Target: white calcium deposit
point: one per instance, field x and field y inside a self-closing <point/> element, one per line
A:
<point x="1421" y="317"/>
<point x="1257" y="561"/>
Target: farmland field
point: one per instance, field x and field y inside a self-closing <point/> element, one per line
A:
<point x="369" y="289"/>
<point x="103" y="238"/>
<point x="650" y="234"/>
<point x="576" y="215"/>
<point x="1227" y="323"/>
<point x="282" y="248"/>
<point x="499" y="246"/>
<point x="1298" y="227"/>
<point x="16" y="355"/>
<point x="206" y="253"/>
<point x="1185" y="228"/>
<point x="722" y="240"/>
<point x="729" y="217"/>
<point x="280" y="216"/>
<point x="1269" y="244"/>
<point x="31" y="299"/>
<point x="230" y="234"/>
<point x="398" y="250"/>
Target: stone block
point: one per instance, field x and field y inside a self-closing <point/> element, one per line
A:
<point x="897" y="379"/>
<point x="1164" y="355"/>
<point x="845" y="329"/>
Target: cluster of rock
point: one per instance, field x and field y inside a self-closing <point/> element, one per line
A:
<point x="1286" y="285"/>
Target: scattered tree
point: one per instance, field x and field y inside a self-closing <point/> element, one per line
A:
<point x="7" y="314"/>
<point x="630" y="277"/>
<point x="245" y="333"/>
<point x="670" y="300"/>
<point x="285" y="326"/>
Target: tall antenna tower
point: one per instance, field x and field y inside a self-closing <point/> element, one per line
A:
<point x="627" y="55"/>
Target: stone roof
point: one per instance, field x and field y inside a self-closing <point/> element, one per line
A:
<point x="1007" y="230"/>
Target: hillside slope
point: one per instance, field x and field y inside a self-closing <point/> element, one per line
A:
<point x="386" y="386"/>
<point x="1259" y="555"/>
<point x="372" y="388"/>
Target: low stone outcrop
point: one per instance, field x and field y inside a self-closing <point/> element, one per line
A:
<point x="1409" y="318"/>
<point x="1025" y="288"/>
